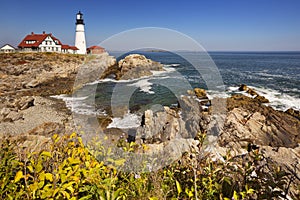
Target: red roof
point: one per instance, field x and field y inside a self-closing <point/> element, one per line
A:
<point x="65" y="46"/>
<point x="94" y="47"/>
<point x="73" y="48"/>
<point x="38" y="38"/>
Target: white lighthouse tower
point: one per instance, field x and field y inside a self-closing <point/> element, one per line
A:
<point x="80" y="35"/>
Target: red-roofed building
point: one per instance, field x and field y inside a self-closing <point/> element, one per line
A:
<point x="95" y="50"/>
<point x="68" y="49"/>
<point x="44" y="43"/>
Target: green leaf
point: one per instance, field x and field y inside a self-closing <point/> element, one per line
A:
<point x="153" y="198"/>
<point x="235" y="195"/>
<point x="38" y="167"/>
<point x="30" y="168"/>
<point x="18" y="176"/>
<point x="49" y="177"/>
<point x="46" y="153"/>
<point x="178" y="186"/>
<point x="189" y="192"/>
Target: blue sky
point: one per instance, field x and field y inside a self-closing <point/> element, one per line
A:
<point x="263" y="25"/>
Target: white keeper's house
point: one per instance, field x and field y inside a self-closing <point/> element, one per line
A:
<point x="44" y="42"/>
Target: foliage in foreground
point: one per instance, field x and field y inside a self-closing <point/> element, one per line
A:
<point x="66" y="170"/>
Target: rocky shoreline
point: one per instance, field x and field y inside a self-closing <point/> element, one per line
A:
<point x="29" y="113"/>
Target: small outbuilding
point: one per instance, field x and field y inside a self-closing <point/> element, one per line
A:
<point x="95" y="50"/>
<point x="7" y="48"/>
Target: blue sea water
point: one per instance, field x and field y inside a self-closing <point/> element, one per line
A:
<point x="276" y="75"/>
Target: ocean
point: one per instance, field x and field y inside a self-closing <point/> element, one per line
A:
<point x="275" y="75"/>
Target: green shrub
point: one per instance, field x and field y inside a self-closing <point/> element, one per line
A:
<point x="67" y="170"/>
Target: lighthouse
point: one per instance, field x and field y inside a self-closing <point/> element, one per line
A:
<point x="80" y="35"/>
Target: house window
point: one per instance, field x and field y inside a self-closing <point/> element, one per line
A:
<point x="46" y="42"/>
<point x="50" y="42"/>
<point x="45" y="49"/>
<point x="52" y="48"/>
<point x="56" y="48"/>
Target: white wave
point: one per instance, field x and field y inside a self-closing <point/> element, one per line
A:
<point x="144" y="85"/>
<point x="232" y="89"/>
<point x="129" y="120"/>
<point x="78" y="105"/>
<point x="216" y="94"/>
<point x="270" y="75"/>
<point x="69" y="98"/>
<point x="172" y="65"/>
<point x="278" y="100"/>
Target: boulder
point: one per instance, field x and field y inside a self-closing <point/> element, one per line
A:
<point x="24" y="102"/>
<point x="200" y="93"/>
<point x="243" y="87"/>
<point x="294" y="113"/>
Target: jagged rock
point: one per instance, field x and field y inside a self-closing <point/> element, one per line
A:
<point x="250" y="91"/>
<point x="168" y="124"/>
<point x="24" y="103"/>
<point x="4" y="111"/>
<point x="261" y="128"/>
<point x="160" y="126"/>
<point x="13" y="116"/>
<point x="32" y="84"/>
<point x="294" y="113"/>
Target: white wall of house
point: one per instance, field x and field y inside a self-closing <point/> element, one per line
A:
<point x="49" y="45"/>
<point x="7" y="49"/>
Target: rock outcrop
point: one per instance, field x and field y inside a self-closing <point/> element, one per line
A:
<point x="28" y="74"/>
<point x="133" y="66"/>
<point x="253" y="93"/>
<point x="249" y="125"/>
<point x="168" y="124"/>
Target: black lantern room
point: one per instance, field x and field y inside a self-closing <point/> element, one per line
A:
<point x="79" y="18"/>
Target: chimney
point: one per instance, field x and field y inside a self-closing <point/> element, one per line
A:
<point x="44" y="32"/>
<point x="32" y="33"/>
